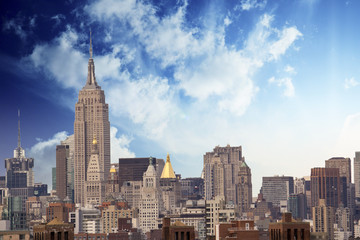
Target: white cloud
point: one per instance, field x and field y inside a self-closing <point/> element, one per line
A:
<point x="247" y="5"/>
<point x="350" y="82"/>
<point x="15" y="26"/>
<point x="289" y="90"/>
<point x="44" y="155"/>
<point x="60" y="61"/>
<point x="286" y="38"/>
<point x="119" y="146"/>
<point x="289" y="69"/>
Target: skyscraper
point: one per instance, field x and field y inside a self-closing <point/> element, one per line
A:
<point x="277" y="188"/>
<point x="91" y="120"/>
<point x="325" y="184"/>
<point x="221" y="171"/>
<point x="357" y="174"/>
<point x="20" y="182"/>
<point x="244" y="189"/>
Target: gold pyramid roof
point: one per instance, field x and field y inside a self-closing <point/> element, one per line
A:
<point x="168" y="171"/>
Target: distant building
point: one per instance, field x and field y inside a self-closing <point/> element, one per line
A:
<point x="226" y="174"/>
<point x="86" y="220"/>
<point x="177" y="231"/>
<point x="287" y="228"/>
<point x="59" y="210"/>
<point x="53" y="178"/>
<point x="237" y="230"/>
<point x="95" y="181"/>
<point x="91" y="120"/>
<point x="297" y="205"/>
<point x="277" y="188"/>
<point x="111" y="215"/>
<point x="65" y="169"/>
<point x="357" y="174"/>
<point x="54" y="230"/>
<point x="244" y="188"/>
<point x="131" y="191"/>
<point x="133" y="169"/>
<point x="192" y="188"/>
<point x="344" y="166"/>
<point x="112" y="184"/>
<point x="150" y="201"/>
<point x="40" y="189"/>
<point x="170" y="187"/>
<point x="325" y="184"/>
<point x="16" y="234"/>
<point x="217" y="211"/>
<point x="324" y="218"/>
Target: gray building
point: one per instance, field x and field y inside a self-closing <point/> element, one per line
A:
<point x="277" y="188"/>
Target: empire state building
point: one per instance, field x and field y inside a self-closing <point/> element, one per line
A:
<point x="91" y="121"/>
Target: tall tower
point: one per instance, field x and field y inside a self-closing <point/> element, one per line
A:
<point x="244" y="188"/>
<point x="95" y="184"/>
<point x="91" y="120"/>
<point x="221" y="171"/>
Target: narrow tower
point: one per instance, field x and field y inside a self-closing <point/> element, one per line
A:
<point x="91" y="120"/>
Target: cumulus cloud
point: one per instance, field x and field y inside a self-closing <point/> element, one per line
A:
<point x="119" y="146"/>
<point x="44" y="155"/>
<point x="289" y="90"/>
<point x="247" y="5"/>
<point x="350" y="82"/>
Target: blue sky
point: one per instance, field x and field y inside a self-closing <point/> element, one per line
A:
<point x="280" y="78"/>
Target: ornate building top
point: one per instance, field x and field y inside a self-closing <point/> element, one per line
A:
<point x="168" y="171"/>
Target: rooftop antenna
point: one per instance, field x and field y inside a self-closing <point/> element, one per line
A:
<point x="91" y="51"/>
<point x="19" y="139"/>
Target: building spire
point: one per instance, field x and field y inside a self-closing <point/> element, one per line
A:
<point x="90" y="50"/>
<point x="19" y="138"/>
<point x="91" y="80"/>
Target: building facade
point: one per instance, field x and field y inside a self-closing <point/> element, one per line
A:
<point x="325" y="184"/>
<point x="91" y="120"/>
<point x="277" y="188"/>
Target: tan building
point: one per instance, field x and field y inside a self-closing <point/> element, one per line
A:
<point x="150" y="201"/>
<point x="170" y="188"/>
<point x="54" y="230"/>
<point x="110" y="216"/>
<point x="289" y="229"/>
<point x="177" y="231"/>
<point x="243" y="229"/>
<point x="216" y="212"/>
<point x="131" y="191"/>
<point x="244" y="188"/>
<point x="15" y="235"/>
<point x="112" y="184"/>
<point x="226" y="174"/>
<point x="95" y="182"/>
<point x="323" y="219"/>
<point x="91" y="120"/>
<point x="60" y="211"/>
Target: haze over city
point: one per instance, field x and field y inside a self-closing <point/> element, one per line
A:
<point x="279" y="78"/>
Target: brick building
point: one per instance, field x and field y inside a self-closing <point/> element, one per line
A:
<point x="289" y="229"/>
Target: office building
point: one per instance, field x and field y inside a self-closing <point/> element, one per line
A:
<point x="91" y="120"/>
<point x="133" y="169"/>
<point x="357" y="174"/>
<point x="221" y="173"/>
<point x="150" y="199"/>
<point x="244" y="188"/>
<point x="112" y="184"/>
<point x="287" y="228"/>
<point x="192" y="188"/>
<point x="178" y="230"/>
<point x="65" y="168"/>
<point x="217" y="211"/>
<point x="297" y="206"/>
<point x="95" y="182"/>
<point x="131" y="191"/>
<point x="344" y="166"/>
<point x="111" y="215"/>
<point x="54" y="230"/>
<point x="277" y="188"/>
<point x="170" y="187"/>
<point x="325" y="184"/>
<point x="323" y="218"/>
<point x="86" y="220"/>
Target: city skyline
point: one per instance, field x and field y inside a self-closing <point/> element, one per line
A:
<point x="277" y="78"/>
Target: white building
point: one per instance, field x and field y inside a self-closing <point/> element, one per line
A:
<point x="151" y="200"/>
<point x="86" y="220"/>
